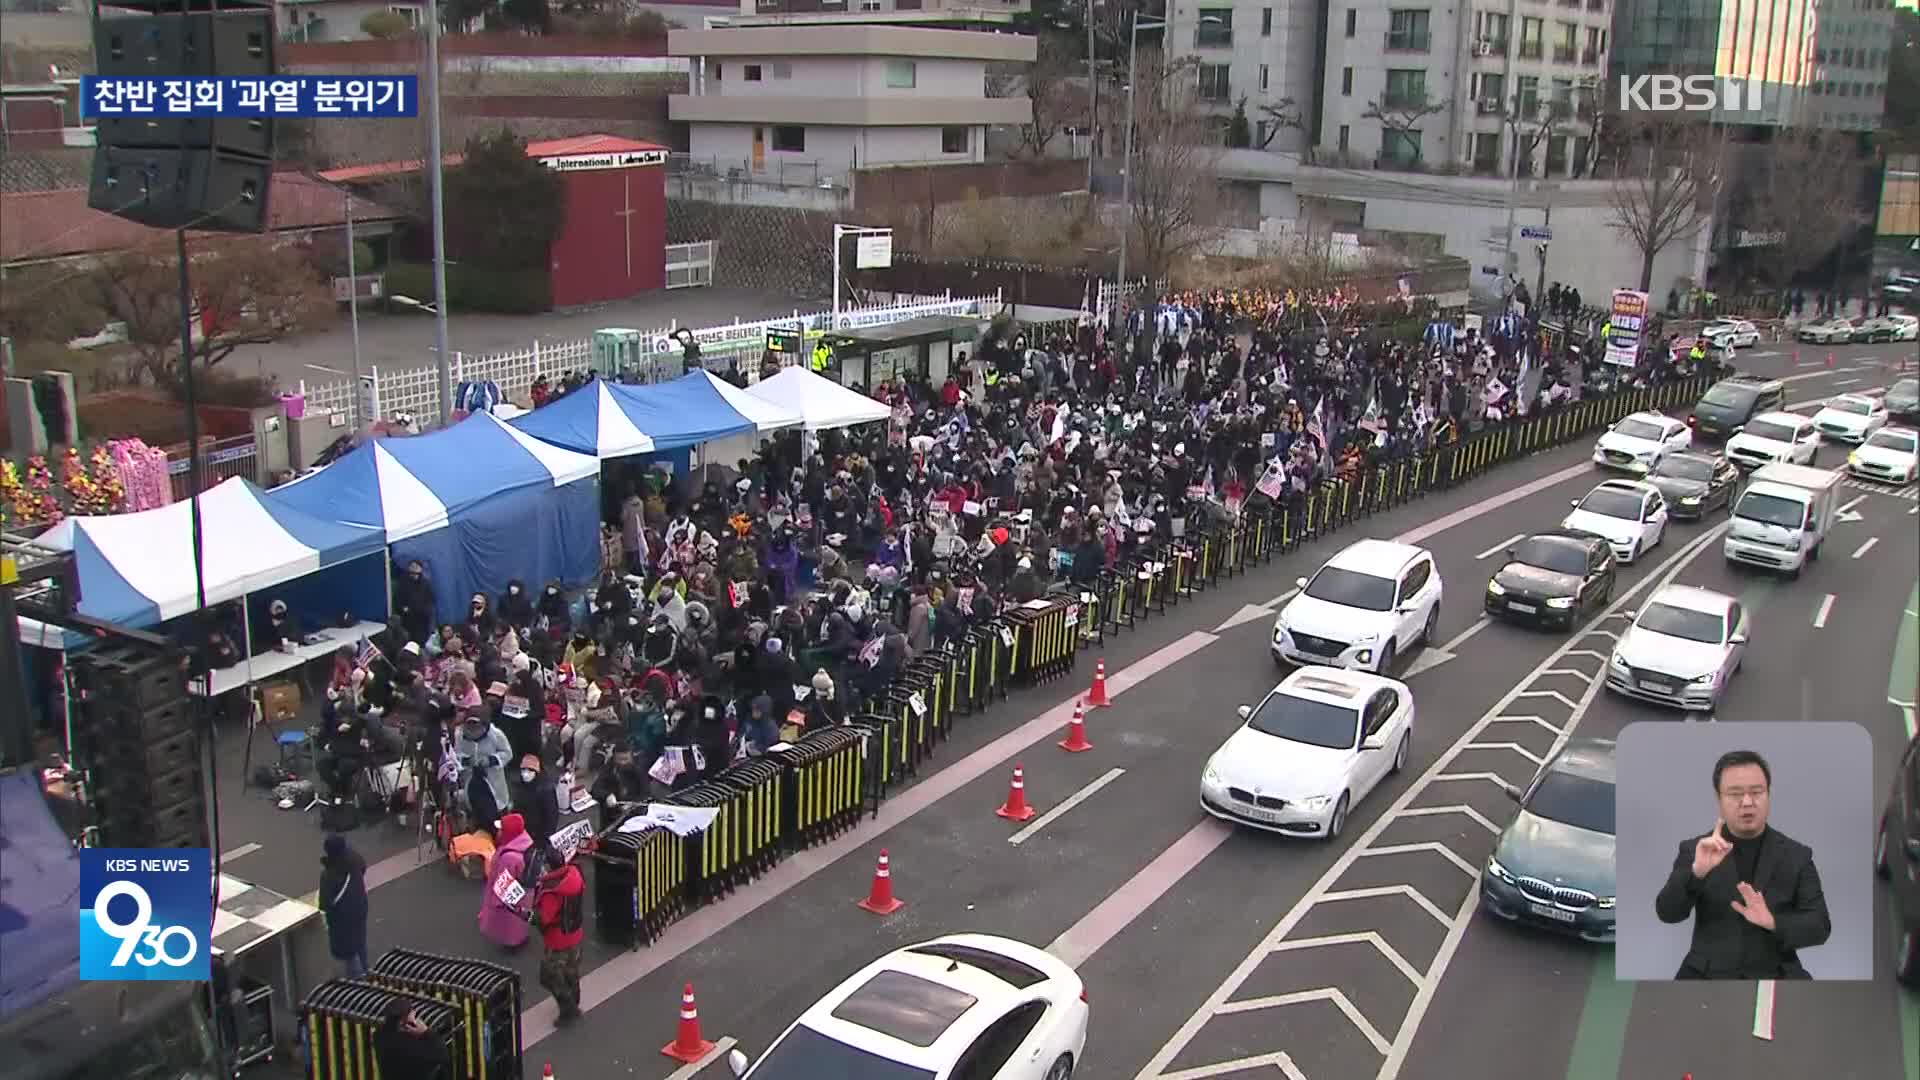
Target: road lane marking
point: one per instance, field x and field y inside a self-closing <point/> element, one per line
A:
<point x="1117" y="911"/>
<point x="1242" y="1065"/>
<point x="1866" y="547"/>
<point x="703" y="923"/>
<point x="1847" y="508"/>
<point x="1826" y="609"/>
<point x="1501" y="546"/>
<point x="240" y="852"/>
<point x="1433" y="655"/>
<point x="1157" y="1067"/>
<point x="1601" y="1039"/>
<point x="1325" y="993"/>
<point x="1074" y="800"/>
<point x="1848" y="382"/>
<point x="1763" y="1003"/>
<point x="692" y="1068"/>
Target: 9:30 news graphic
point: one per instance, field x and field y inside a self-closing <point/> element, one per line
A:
<point x="367" y="96"/>
<point x="146" y="914"/>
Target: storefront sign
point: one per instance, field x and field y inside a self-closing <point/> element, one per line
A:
<point x="625" y="159"/>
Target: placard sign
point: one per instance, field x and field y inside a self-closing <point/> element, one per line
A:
<point x="873" y="251"/>
<point x="568" y="840"/>
<point x="507" y="890"/>
<point x="1629" y="319"/>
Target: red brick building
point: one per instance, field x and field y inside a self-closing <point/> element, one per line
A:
<point x="613" y="243"/>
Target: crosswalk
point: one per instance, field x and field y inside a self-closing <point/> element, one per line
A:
<point x="1910" y="492"/>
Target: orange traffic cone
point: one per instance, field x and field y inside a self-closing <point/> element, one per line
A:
<point x="880" y="899"/>
<point x="687" y="1045"/>
<point x="1076" y="740"/>
<point x="1097" y="697"/>
<point x="548" y="1073"/>
<point x="1829" y="359"/>
<point x="1016" y="808"/>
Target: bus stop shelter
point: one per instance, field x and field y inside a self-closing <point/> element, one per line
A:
<point x="926" y="347"/>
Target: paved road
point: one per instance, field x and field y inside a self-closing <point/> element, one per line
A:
<point x="1215" y="953"/>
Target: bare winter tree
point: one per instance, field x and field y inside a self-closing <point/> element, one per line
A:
<point x="1666" y="187"/>
<point x="1399" y="118"/>
<point x="1802" y="203"/>
<point x="1275" y="117"/>
<point x="1175" y="200"/>
<point x="1051" y="82"/>
<point x="1530" y="121"/>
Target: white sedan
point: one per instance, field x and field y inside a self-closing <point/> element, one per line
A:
<point x="1630" y="516"/>
<point x="1737" y="333"/>
<point x="1639" y="442"/>
<point x="1321" y="741"/>
<point x="1891" y="455"/>
<point x="1827" y="331"/>
<point x="1681" y="649"/>
<point x="1850" y="418"/>
<point x="1774" y="436"/>
<point x="964" y="1007"/>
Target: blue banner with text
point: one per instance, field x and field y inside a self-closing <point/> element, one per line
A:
<point x="265" y="95"/>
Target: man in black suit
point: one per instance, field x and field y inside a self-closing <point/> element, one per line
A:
<point x="1753" y="893"/>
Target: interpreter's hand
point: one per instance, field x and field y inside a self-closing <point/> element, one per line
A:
<point x="1711" y="850"/>
<point x="1753" y="907"/>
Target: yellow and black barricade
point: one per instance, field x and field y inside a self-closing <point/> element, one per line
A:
<point x="889" y="757"/>
<point x="639" y="882"/>
<point x="911" y="727"/>
<point x="1116" y="606"/>
<point x="341" y="1017"/>
<point x="1045" y="645"/>
<point x="828" y="784"/>
<point x="927" y="676"/>
<point x="487" y="995"/>
<point x="722" y="856"/>
<point x="915" y="695"/>
<point x="973" y="670"/>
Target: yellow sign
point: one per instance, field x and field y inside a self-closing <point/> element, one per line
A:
<point x="9" y="570"/>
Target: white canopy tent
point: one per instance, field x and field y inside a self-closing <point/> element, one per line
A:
<point x="821" y="403"/>
<point x="767" y="417"/>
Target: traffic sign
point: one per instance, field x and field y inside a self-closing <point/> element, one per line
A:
<point x="1535" y="232"/>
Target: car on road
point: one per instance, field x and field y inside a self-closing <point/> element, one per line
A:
<point x="1890" y="455"/>
<point x="1896" y="859"/>
<point x="1903" y="400"/>
<point x="1630" y="515"/>
<point x="1638" y="442"/>
<point x="1681" y="649"/>
<point x="1772" y="437"/>
<point x="1730" y="403"/>
<point x="1888" y="328"/>
<point x="1733" y="333"/>
<point x="1901" y="288"/>
<point x="1695" y="483"/>
<point x="1827" y="332"/>
<point x="1315" y="746"/>
<point x="1553" y="866"/>
<point x="955" y="1008"/>
<point x="1850" y="418"/>
<point x="1554" y="578"/>
<point x="1368" y="605"/>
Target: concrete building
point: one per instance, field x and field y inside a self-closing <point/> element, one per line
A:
<point x="955" y="14"/>
<point x="833" y="98"/>
<point x="1400" y="85"/>
<point x="337" y="20"/>
<point x="1820" y="63"/>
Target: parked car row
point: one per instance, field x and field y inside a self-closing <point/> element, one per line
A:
<point x="1861" y="330"/>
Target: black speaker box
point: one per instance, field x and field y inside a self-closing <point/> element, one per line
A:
<point x="194" y="188"/>
<point x="249" y="135"/>
<point x="232" y="44"/>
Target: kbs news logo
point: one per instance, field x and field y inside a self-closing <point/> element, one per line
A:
<point x="145" y="913"/>
<point x="1689" y="93"/>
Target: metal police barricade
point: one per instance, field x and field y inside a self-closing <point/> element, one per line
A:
<point x="904" y="700"/>
<point x="739" y="843"/>
<point x="972" y="671"/>
<point x="487" y="995"/>
<point x="1092" y="627"/>
<point x="889" y="753"/>
<point x="1045" y="643"/>
<point x="828" y="784"/>
<point x="1116" y="605"/>
<point x="639" y="883"/>
<point x="756" y="810"/>
<point x="1153" y="580"/>
<point x="933" y="672"/>
<point x="341" y="1017"/>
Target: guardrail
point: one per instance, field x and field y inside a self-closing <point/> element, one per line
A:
<point x="826" y="782"/>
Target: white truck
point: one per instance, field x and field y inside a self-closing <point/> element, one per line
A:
<point x="1782" y="517"/>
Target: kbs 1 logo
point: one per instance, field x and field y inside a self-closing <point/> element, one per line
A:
<point x="146" y="914"/>
<point x="1690" y="93"/>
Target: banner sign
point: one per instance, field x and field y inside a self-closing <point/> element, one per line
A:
<point x="625" y="159"/>
<point x="1628" y="321"/>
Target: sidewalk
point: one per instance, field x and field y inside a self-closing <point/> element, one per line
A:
<point x="406" y="340"/>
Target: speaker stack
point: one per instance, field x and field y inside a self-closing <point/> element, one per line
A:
<point x="172" y="172"/>
<point x="134" y="735"/>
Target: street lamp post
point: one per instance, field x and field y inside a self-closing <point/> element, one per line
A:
<point x="1093" y="100"/>
<point x="1126" y="154"/>
<point x="437" y="182"/>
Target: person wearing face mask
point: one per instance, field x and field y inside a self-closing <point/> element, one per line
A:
<point x="480" y="619"/>
<point x="553" y="611"/>
<point x="513" y="855"/>
<point x="516" y="607"/>
<point x="279" y="631"/>
<point x="483" y="753"/>
<point x="413" y="602"/>
<point x="539" y="803"/>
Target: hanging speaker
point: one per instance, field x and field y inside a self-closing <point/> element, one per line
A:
<point x="186" y="188"/>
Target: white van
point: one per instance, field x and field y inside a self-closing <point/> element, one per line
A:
<point x="1783" y="516"/>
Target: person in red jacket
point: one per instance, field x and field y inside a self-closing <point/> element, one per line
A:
<point x="561" y="907"/>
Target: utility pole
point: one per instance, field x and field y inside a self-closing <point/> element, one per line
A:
<point x="443" y="355"/>
<point x="1540" y="283"/>
<point x="1093" y="101"/>
<point x="353" y="308"/>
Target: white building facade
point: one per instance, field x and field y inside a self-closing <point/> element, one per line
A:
<point x="770" y="100"/>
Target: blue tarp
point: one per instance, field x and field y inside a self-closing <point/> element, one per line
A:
<point x="479" y="503"/>
<point x="39" y="897"/>
<point x="611" y="420"/>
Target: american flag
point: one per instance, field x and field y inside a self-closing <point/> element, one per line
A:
<point x="366" y="654"/>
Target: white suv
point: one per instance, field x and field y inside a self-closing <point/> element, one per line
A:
<point x="1369" y="604"/>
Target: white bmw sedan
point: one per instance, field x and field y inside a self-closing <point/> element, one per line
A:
<point x="1639" y="442"/>
<point x="1891" y="455"/>
<point x="1681" y="649"/>
<point x="956" y="1008"/>
<point x="1631" y="516"/>
<point x="1850" y="418"/>
<point x="1321" y="741"/>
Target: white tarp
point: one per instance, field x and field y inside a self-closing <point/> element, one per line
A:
<point x="821" y="403"/>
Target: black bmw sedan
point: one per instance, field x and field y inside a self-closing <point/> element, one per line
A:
<point x="1553" y="578"/>
<point x="1695" y="483"/>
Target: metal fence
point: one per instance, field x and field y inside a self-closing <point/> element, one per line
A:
<point x="416" y="391"/>
<point x="220" y="460"/>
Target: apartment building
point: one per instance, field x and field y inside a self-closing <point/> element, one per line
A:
<point x="954" y="14"/>
<point x="1489" y="88"/>
<point x="770" y="102"/>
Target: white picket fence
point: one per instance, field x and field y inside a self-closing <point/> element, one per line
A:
<point x="416" y="390"/>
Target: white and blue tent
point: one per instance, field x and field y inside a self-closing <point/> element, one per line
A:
<point x="479" y="503"/>
<point x="138" y="569"/>
<point x="612" y="420"/>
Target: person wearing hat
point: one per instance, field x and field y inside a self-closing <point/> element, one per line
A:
<point x="539" y="802"/>
<point x="413" y="601"/>
<point x="622" y="781"/>
<point x="920" y="621"/>
<point x="483" y="753"/>
<point x="343" y="899"/>
<point x="404" y="1045"/>
<point x="280" y="630"/>
<point x="824" y="709"/>
<point x="560" y="906"/>
<point x="514" y="859"/>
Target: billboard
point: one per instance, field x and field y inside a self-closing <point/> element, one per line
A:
<point x="1627" y="323"/>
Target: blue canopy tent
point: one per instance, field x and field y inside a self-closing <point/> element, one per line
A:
<point x="138" y="569"/>
<point x="611" y="420"/>
<point x="478" y="503"/>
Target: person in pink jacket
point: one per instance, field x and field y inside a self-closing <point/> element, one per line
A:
<point x="503" y="925"/>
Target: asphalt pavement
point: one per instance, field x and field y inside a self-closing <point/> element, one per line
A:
<point x="1214" y="952"/>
